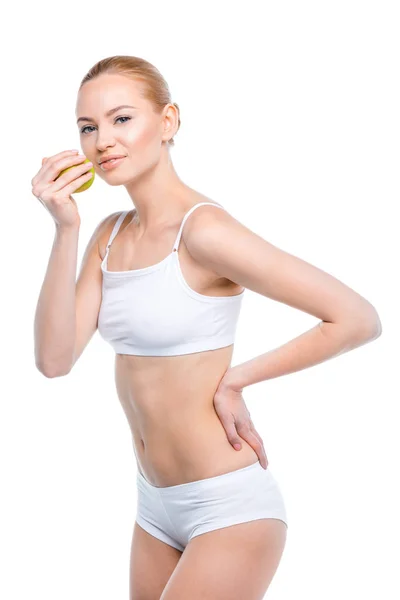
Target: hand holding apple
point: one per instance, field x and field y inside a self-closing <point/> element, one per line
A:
<point x="85" y="185"/>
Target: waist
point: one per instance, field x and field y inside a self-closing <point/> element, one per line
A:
<point x="187" y="449"/>
<point x="176" y="432"/>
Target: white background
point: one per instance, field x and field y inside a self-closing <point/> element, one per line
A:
<point x="290" y="119"/>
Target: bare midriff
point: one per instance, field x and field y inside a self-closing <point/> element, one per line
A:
<point x="169" y="404"/>
<point x="169" y="400"/>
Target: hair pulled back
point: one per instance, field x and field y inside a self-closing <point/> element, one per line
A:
<point x="154" y="86"/>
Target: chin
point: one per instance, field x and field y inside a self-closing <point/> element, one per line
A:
<point x="115" y="181"/>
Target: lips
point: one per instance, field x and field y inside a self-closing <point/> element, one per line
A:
<point x="105" y="159"/>
<point x="111" y="164"/>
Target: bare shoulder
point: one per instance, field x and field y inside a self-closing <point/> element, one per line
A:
<point x="105" y="228"/>
<point x="201" y="212"/>
<point x="204" y="216"/>
<point x="195" y="233"/>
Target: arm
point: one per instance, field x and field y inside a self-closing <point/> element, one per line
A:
<point x="347" y="319"/>
<point x="67" y="310"/>
<point x="324" y="341"/>
<point x="54" y="326"/>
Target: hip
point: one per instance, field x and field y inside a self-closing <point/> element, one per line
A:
<point x="175" y="514"/>
<point x="169" y="455"/>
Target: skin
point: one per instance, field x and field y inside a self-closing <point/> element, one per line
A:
<point x="175" y="441"/>
<point x="186" y="412"/>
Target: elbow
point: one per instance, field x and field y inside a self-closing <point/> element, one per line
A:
<point x="369" y="326"/>
<point x="377" y="329"/>
<point x="51" y="372"/>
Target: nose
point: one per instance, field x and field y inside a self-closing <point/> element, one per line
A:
<point x="105" y="139"/>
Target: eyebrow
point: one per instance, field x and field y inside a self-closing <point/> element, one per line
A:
<point x="108" y="113"/>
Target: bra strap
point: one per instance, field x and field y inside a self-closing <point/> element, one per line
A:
<point x="178" y="237"/>
<point x="116" y="227"/>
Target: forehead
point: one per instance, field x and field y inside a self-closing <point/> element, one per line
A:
<point x="106" y="91"/>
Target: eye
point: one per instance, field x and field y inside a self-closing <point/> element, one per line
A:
<point x="117" y="119"/>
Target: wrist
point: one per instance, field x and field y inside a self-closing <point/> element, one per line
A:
<point x="232" y="379"/>
<point x="68" y="229"/>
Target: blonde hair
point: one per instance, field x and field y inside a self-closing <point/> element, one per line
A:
<point x="155" y="87"/>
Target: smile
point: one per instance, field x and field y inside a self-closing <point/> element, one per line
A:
<point x="110" y="164"/>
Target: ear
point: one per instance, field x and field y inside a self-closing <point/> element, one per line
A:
<point x="171" y="117"/>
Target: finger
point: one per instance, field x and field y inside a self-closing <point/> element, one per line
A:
<point x="260" y="440"/>
<point x="60" y="158"/>
<point x="247" y="434"/>
<point x="228" y="423"/>
<point x="253" y="429"/>
<point x="63" y="154"/>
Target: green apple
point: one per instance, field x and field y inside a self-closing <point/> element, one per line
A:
<point x="87" y="184"/>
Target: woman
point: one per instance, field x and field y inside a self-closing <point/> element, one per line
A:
<point x="164" y="283"/>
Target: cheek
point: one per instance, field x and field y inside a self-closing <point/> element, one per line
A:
<point x="144" y="149"/>
<point x="142" y="136"/>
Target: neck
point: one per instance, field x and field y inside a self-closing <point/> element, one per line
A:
<point x="158" y="195"/>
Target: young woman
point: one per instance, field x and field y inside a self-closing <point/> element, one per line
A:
<point x="164" y="283"/>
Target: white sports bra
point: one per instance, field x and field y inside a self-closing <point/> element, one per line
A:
<point x="153" y="312"/>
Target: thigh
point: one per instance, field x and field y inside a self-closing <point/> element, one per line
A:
<point x="230" y="563"/>
<point x="152" y="562"/>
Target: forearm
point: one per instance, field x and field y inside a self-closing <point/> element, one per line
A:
<point x="54" y="327"/>
<point x="322" y="342"/>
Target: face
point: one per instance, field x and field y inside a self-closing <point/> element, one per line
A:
<point x="139" y="134"/>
